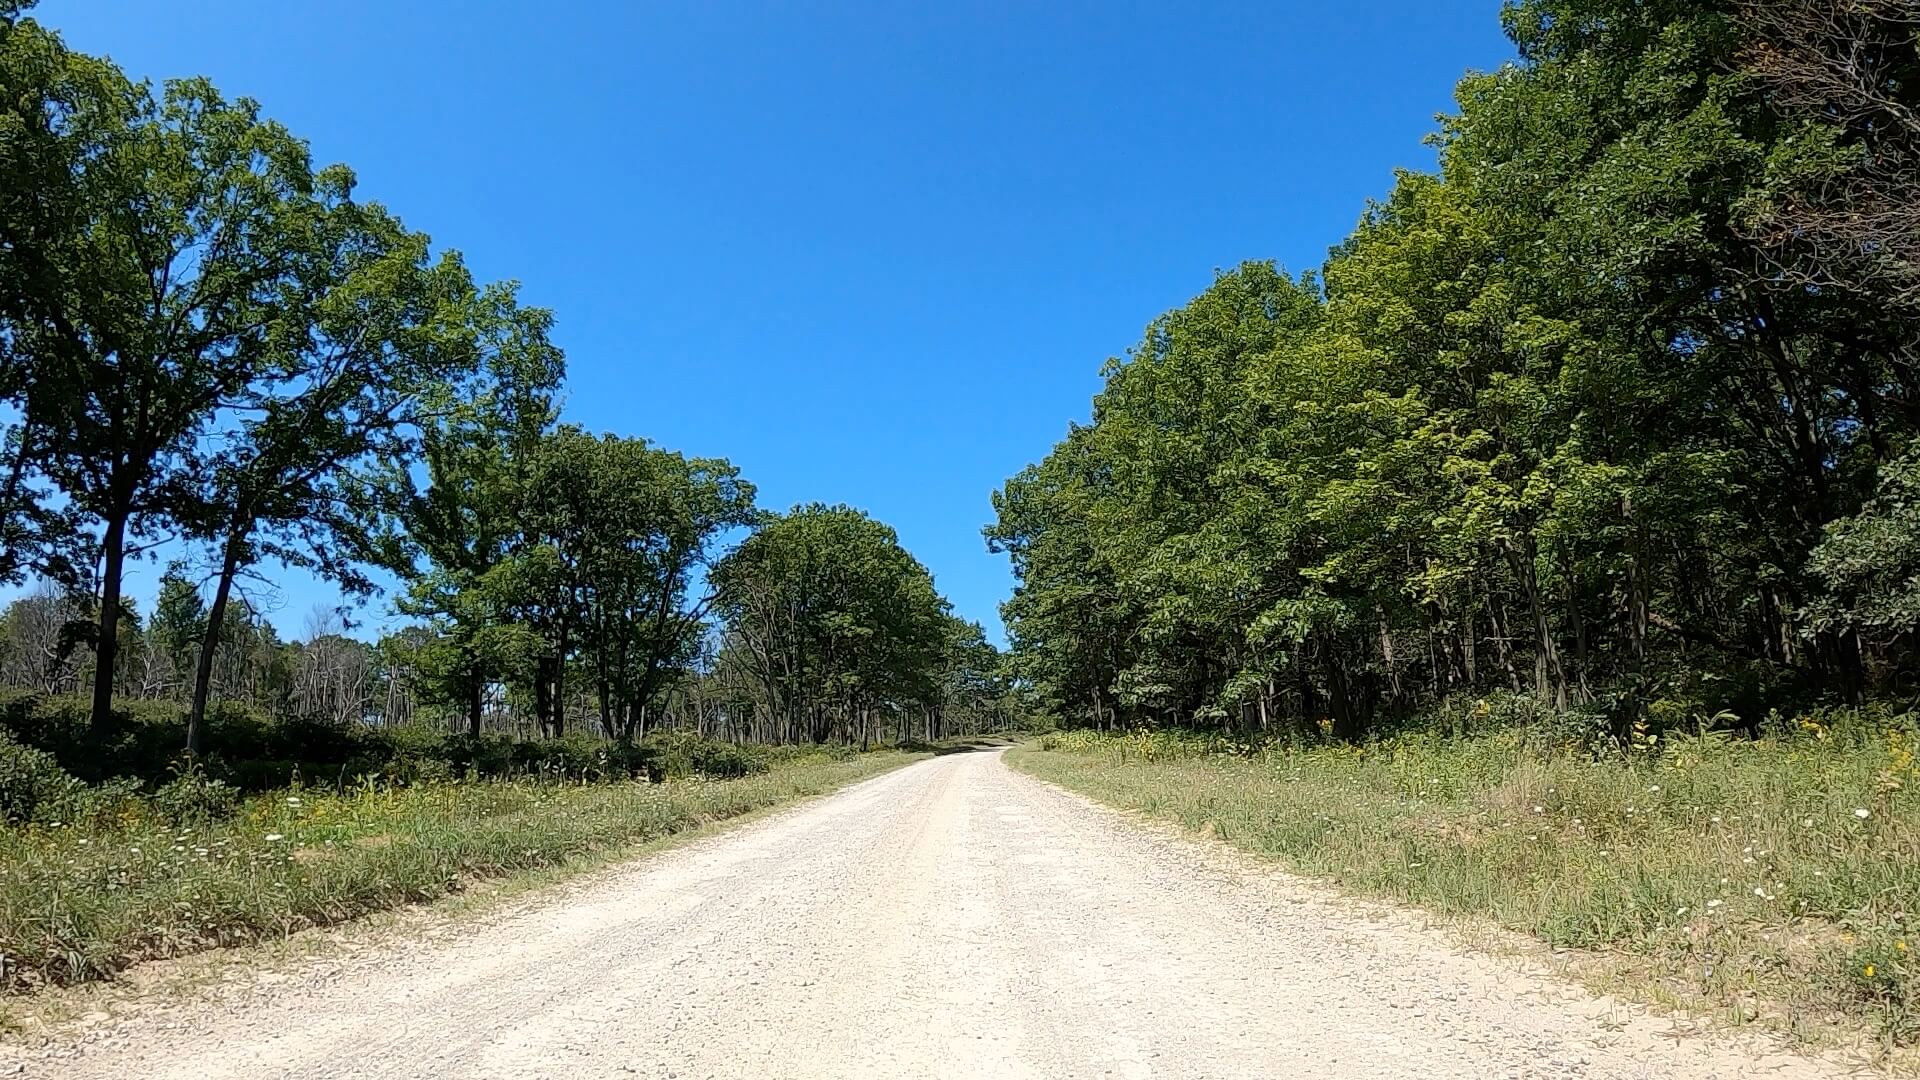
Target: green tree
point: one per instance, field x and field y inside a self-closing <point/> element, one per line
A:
<point x="179" y="271"/>
<point x="456" y="531"/>
<point x="388" y="337"/>
<point x="837" y="623"/>
<point x="627" y="528"/>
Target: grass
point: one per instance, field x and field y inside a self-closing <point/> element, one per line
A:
<point x="80" y="902"/>
<point x="1777" y="879"/>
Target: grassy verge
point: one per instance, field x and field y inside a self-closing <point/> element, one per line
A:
<point x="1777" y="879"/>
<point x="79" y="903"/>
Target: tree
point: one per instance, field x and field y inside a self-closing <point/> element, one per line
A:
<point x="388" y="336"/>
<point x="628" y="527"/>
<point x="460" y="540"/>
<point x="1575" y="417"/>
<point x="1842" y="206"/>
<point x="836" y="622"/>
<point x="177" y="275"/>
<point x="57" y="108"/>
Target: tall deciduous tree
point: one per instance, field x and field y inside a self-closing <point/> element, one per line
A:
<point x="387" y="338"/>
<point x="630" y="528"/>
<point x="164" y="292"/>
<point x="835" y="620"/>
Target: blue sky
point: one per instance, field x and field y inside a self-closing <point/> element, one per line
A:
<point x="874" y="253"/>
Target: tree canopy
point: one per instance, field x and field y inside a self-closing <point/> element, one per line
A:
<point x="1597" y="413"/>
<point x="214" y="348"/>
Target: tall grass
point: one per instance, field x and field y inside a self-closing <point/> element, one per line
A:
<point x="82" y="899"/>
<point x="1780" y="875"/>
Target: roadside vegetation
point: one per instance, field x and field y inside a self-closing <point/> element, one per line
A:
<point x="1551" y="552"/>
<point x="94" y="877"/>
<point x="220" y="358"/>
<point x="1773" y="879"/>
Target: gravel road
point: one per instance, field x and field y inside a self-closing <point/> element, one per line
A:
<point x="950" y="919"/>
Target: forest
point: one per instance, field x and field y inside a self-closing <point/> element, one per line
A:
<point x="1608" y="423"/>
<point x="215" y="352"/>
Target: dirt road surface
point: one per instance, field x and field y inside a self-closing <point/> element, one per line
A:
<point x="951" y="919"/>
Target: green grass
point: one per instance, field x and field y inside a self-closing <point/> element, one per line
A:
<point x="1777" y="879"/>
<point x="81" y="901"/>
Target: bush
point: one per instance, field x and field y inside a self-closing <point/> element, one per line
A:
<point x="32" y="783"/>
<point x="194" y="799"/>
<point x="677" y="755"/>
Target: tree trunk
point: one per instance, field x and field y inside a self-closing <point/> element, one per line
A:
<point x="476" y="698"/>
<point x="1579" y="621"/>
<point x="210" y="642"/>
<point x="1550" y="679"/>
<point x="606" y="710"/>
<point x="113" y="554"/>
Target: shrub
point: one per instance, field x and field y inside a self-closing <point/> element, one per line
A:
<point x="32" y="783"/>
<point x="192" y="798"/>
<point x="676" y="755"/>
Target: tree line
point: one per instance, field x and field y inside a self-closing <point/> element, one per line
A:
<point x="210" y="344"/>
<point x="1613" y="413"/>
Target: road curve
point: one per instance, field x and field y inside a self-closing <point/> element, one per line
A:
<point x="950" y="919"/>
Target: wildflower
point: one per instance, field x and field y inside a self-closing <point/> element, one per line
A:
<point x="1867" y="971"/>
<point x="1900" y="946"/>
<point x="1862" y="813"/>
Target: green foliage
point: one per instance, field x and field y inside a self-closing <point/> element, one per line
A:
<point x="1870" y="561"/>
<point x="677" y="756"/>
<point x="1560" y="423"/>
<point x="32" y="783"/>
<point x="833" y="620"/>
<point x="194" y="799"/>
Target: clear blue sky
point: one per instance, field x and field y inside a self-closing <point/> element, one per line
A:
<point x="874" y="253"/>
